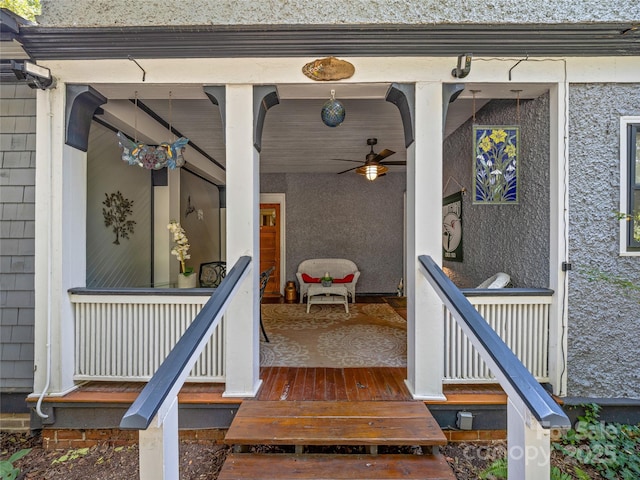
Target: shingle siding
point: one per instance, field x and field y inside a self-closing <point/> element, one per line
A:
<point x="17" y="216"/>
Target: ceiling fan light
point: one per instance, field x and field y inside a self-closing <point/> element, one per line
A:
<point x="371" y="172"/>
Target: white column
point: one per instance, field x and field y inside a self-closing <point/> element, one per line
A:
<point x="161" y="237"/>
<point x="159" y="446"/>
<point x="425" y="324"/>
<point x="60" y="249"/>
<point x="528" y="443"/>
<point x="559" y="217"/>
<point x="242" y="343"/>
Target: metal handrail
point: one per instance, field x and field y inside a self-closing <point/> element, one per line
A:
<point x="170" y="376"/>
<point x="514" y="378"/>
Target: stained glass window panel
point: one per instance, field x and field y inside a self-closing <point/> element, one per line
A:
<point x="496" y="164"/>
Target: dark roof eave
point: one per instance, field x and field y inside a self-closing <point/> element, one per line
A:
<point x="10" y="22"/>
<point x="74" y="43"/>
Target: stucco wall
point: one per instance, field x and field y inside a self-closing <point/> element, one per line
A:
<point x="17" y="232"/>
<point x="344" y="216"/>
<point x="252" y="12"/>
<point x="604" y="320"/>
<point x="504" y="238"/>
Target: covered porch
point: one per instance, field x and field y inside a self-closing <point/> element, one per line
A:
<point x="87" y="330"/>
<point x="108" y="326"/>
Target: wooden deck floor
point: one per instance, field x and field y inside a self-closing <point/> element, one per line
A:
<point x="360" y="384"/>
<point x="297" y="384"/>
<point x="343" y="384"/>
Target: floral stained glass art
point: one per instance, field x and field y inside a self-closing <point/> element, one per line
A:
<point x="151" y="157"/>
<point x="496" y="158"/>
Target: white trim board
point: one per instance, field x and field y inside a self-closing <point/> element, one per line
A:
<point x="624" y="184"/>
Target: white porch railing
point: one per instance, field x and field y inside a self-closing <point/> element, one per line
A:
<point x="521" y="321"/>
<point x="125" y="337"/>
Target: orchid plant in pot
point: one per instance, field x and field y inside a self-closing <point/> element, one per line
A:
<point x="186" y="278"/>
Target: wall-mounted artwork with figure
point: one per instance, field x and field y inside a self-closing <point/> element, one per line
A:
<point x="452" y="227"/>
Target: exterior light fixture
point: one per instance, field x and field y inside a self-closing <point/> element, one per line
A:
<point x="459" y="71"/>
<point x="35" y="75"/>
<point x="333" y="111"/>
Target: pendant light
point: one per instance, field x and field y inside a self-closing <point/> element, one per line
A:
<point x="333" y="112"/>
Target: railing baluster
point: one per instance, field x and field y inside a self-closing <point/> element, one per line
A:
<point x="520" y="320"/>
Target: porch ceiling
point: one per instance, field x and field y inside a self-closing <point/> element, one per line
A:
<point x="294" y="138"/>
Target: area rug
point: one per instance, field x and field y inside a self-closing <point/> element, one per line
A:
<point x="370" y="335"/>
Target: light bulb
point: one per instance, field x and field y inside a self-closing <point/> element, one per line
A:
<point x="371" y="172"/>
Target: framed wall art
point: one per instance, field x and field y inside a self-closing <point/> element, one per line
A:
<point x="452" y="227"/>
<point x="496" y="164"/>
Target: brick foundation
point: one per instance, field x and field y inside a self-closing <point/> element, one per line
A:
<point x="63" y="439"/>
<point x="475" y="435"/>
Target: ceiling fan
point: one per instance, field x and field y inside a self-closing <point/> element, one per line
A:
<point x="374" y="165"/>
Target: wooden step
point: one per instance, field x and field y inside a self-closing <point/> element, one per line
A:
<point x="338" y="467"/>
<point x="334" y="423"/>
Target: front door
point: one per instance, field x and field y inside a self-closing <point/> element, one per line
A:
<point x="270" y="245"/>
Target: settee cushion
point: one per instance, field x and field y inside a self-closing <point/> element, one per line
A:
<point x="347" y="279"/>
<point x="310" y="279"/>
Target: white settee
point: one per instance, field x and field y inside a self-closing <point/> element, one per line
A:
<point x="338" y="268"/>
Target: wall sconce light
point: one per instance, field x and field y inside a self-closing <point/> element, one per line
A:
<point x="460" y="72"/>
<point x="35" y="75"/>
<point x="193" y="209"/>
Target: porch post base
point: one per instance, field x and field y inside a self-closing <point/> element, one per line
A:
<point x="243" y="393"/>
<point x="424" y="395"/>
<point x="529" y="445"/>
<point x="159" y="456"/>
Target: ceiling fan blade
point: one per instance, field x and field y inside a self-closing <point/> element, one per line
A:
<point x="345" y="160"/>
<point x="383" y="154"/>
<point x="339" y="173"/>
<point x="393" y="162"/>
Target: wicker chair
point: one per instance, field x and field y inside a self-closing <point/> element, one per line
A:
<point x="211" y="274"/>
